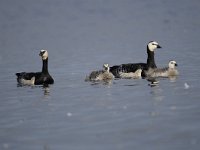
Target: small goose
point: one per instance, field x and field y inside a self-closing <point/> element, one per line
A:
<point x="169" y="71"/>
<point x="132" y="67"/>
<point x="38" y="78"/>
<point x="131" y="75"/>
<point x="100" y="75"/>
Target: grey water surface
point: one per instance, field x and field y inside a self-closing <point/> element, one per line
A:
<point x="81" y="35"/>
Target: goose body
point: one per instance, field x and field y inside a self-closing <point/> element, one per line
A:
<point x="100" y="75"/>
<point x="164" y="72"/>
<point x="133" y="67"/>
<point x="39" y="78"/>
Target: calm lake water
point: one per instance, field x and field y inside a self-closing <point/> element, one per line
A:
<point x="80" y="36"/>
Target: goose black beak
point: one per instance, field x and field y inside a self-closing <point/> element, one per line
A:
<point x="158" y="46"/>
<point x="176" y="64"/>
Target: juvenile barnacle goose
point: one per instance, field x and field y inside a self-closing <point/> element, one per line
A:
<point x="164" y="72"/>
<point x="100" y="75"/>
<point x="132" y="67"/>
<point x="38" y="78"/>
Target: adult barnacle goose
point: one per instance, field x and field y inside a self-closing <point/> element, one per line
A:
<point x="132" y="67"/>
<point x="38" y="78"/>
<point x="164" y="72"/>
<point x="100" y="75"/>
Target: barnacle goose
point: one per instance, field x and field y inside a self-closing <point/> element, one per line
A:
<point x="164" y="72"/>
<point x="100" y="75"/>
<point x="132" y="67"/>
<point x="38" y="78"/>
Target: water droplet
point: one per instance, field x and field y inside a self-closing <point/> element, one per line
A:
<point x="69" y="114"/>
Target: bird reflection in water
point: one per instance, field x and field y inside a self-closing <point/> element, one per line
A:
<point x="153" y="81"/>
<point x="46" y="90"/>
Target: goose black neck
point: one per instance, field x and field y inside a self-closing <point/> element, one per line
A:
<point x="45" y="66"/>
<point x="150" y="59"/>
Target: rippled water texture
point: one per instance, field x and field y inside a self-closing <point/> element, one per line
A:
<point x="80" y="36"/>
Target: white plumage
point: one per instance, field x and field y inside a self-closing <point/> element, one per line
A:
<point x="131" y="75"/>
<point x="27" y="82"/>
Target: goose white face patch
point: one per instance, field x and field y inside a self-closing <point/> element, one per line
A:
<point x="152" y="45"/>
<point x="106" y="67"/>
<point x="44" y="54"/>
<point x="172" y="64"/>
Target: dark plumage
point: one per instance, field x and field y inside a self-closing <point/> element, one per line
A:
<point x="40" y="77"/>
<point x="132" y="67"/>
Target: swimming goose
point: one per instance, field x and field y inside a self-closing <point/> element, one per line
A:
<point x="39" y="78"/>
<point x="100" y="75"/>
<point x="132" y="67"/>
<point x="164" y="72"/>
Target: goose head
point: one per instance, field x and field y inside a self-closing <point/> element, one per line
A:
<point x="153" y="45"/>
<point x="172" y="64"/>
<point x="43" y="54"/>
<point x="106" y="67"/>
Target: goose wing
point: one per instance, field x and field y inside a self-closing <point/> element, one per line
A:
<point x="27" y="76"/>
<point x="126" y="68"/>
